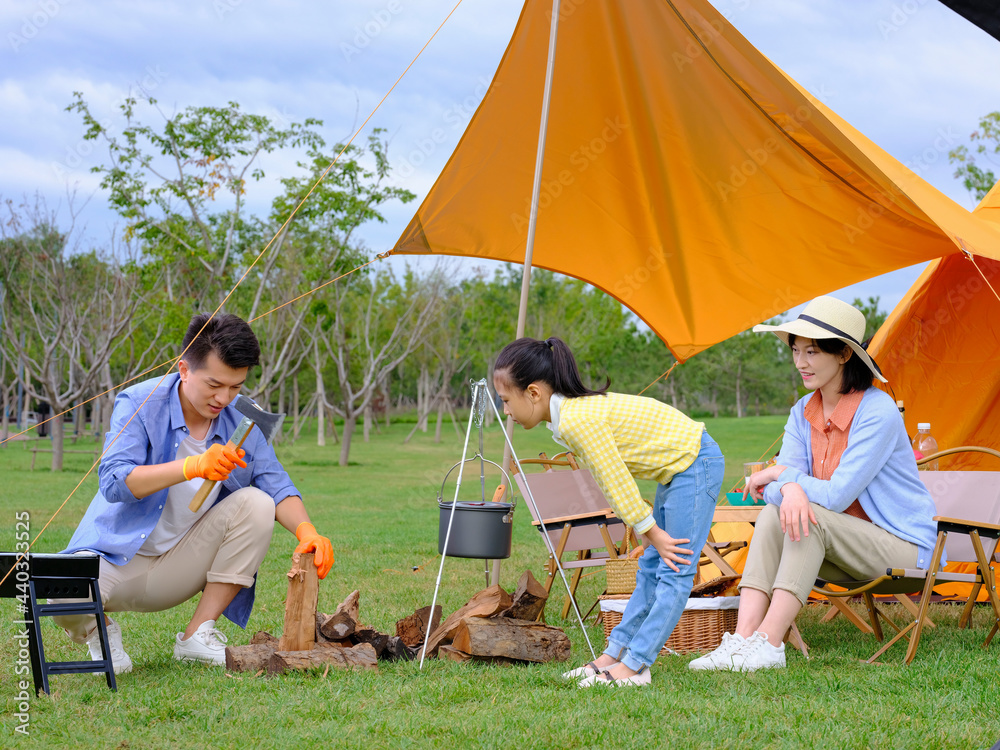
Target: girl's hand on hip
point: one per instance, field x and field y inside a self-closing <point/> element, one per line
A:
<point x="666" y="545"/>
<point x="795" y="511"/>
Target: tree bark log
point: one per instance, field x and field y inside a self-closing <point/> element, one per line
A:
<point x="356" y="657"/>
<point x="250" y="658"/>
<point x="511" y="639"/>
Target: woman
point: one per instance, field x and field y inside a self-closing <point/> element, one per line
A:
<point x="844" y="501"/>
<point x="622" y="437"/>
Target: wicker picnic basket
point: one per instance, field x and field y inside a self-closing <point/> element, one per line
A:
<point x="698" y="629"/>
<point x="621" y="573"/>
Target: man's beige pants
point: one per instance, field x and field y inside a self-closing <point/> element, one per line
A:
<point x="226" y="545"/>
<point x="839" y="547"/>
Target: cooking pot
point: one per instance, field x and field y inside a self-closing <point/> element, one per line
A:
<point x="480" y="530"/>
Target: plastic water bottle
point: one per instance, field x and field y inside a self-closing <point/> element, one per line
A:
<point x="924" y="444"/>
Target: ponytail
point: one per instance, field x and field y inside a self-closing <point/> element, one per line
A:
<point x="528" y="361"/>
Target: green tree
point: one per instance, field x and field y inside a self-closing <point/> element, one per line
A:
<point x="986" y="140"/>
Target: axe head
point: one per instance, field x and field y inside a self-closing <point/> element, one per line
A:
<point x="269" y="424"/>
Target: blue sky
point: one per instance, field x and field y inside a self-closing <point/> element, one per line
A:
<point x="910" y="74"/>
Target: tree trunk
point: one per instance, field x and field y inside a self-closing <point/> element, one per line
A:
<point x="511" y="639"/>
<point x="79" y="421"/>
<point x="437" y="427"/>
<point x="367" y="423"/>
<point x="739" y="391"/>
<point x="295" y="410"/>
<point x="345" y="445"/>
<point x="56" y="432"/>
<point x="320" y="396"/>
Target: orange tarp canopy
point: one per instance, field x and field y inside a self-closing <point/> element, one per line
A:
<point x="684" y="174"/>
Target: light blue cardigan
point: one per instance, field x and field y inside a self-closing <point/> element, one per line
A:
<point x="877" y="468"/>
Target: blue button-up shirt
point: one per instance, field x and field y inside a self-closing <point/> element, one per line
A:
<point x="117" y="522"/>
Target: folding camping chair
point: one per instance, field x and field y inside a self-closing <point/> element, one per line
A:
<point x="968" y="509"/>
<point x="839" y="604"/>
<point x="575" y="515"/>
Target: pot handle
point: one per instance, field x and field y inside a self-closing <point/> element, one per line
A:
<point x="513" y="497"/>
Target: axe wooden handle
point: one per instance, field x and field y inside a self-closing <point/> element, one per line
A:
<point x="206" y="487"/>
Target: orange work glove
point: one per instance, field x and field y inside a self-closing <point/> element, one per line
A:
<point x="215" y="463"/>
<point x="311" y="541"/>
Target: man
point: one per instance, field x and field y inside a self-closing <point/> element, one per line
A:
<point x="156" y="553"/>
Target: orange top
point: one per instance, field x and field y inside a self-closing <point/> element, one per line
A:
<point x="829" y="438"/>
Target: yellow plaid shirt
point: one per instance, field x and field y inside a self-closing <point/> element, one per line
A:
<point x="622" y="438"/>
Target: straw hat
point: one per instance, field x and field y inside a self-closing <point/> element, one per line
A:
<point x="828" y="318"/>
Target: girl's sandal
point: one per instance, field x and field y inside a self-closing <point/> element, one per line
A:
<point x="587" y="670"/>
<point x="604" y="678"/>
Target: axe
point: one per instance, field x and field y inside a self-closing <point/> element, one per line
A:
<point x="268" y="423"/>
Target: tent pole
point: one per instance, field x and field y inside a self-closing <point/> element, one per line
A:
<point x="522" y="310"/>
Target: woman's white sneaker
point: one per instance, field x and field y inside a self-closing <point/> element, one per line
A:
<point x="207" y="645"/>
<point x="758" y="653"/>
<point x="722" y="657"/>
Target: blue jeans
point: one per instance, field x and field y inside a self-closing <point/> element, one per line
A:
<point x="683" y="509"/>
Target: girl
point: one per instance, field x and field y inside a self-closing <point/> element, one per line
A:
<point x="845" y="500"/>
<point x="620" y="438"/>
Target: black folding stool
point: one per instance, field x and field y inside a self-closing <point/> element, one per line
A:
<point x="57" y="577"/>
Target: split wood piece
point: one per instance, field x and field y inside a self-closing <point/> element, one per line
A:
<point x="413" y="629"/>
<point x="528" y="602"/>
<point x="377" y="640"/>
<point x="262" y="636"/>
<point x="300" y="605"/>
<point x="343" y="622"/>
<point x="355" y="657"/>
<point x="720" y="586"/>
<point x="396" y="650"/>
<point x="486" y="603"/>
<point x="512" y="639"/>
<point x="250" y="658"/>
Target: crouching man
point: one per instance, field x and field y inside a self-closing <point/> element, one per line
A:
<point x="156" y="553"/>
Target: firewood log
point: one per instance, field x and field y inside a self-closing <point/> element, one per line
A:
<point x="248" y="658"/>
<point x="486" y="604"/>
<point x="512" y="639"/>
<point x="300" y="604"/>
<point x="412" y="629"/>
<point x="528" y="601"/>
<point x="344" y="620"/>
<point x="356" y="657"/>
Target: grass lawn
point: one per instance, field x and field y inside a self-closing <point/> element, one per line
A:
<point x="381" y="514"/>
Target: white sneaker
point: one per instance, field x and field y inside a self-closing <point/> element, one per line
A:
<point x="722" y="657"/>
<point x="119" y="659"/>
<point x="207" y="645"/>
<point x="758" y="653"/>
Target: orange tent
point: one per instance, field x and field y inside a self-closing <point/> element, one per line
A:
<point x="684" y="174"/>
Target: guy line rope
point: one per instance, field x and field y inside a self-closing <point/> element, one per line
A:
<point x="174" y="361"/>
